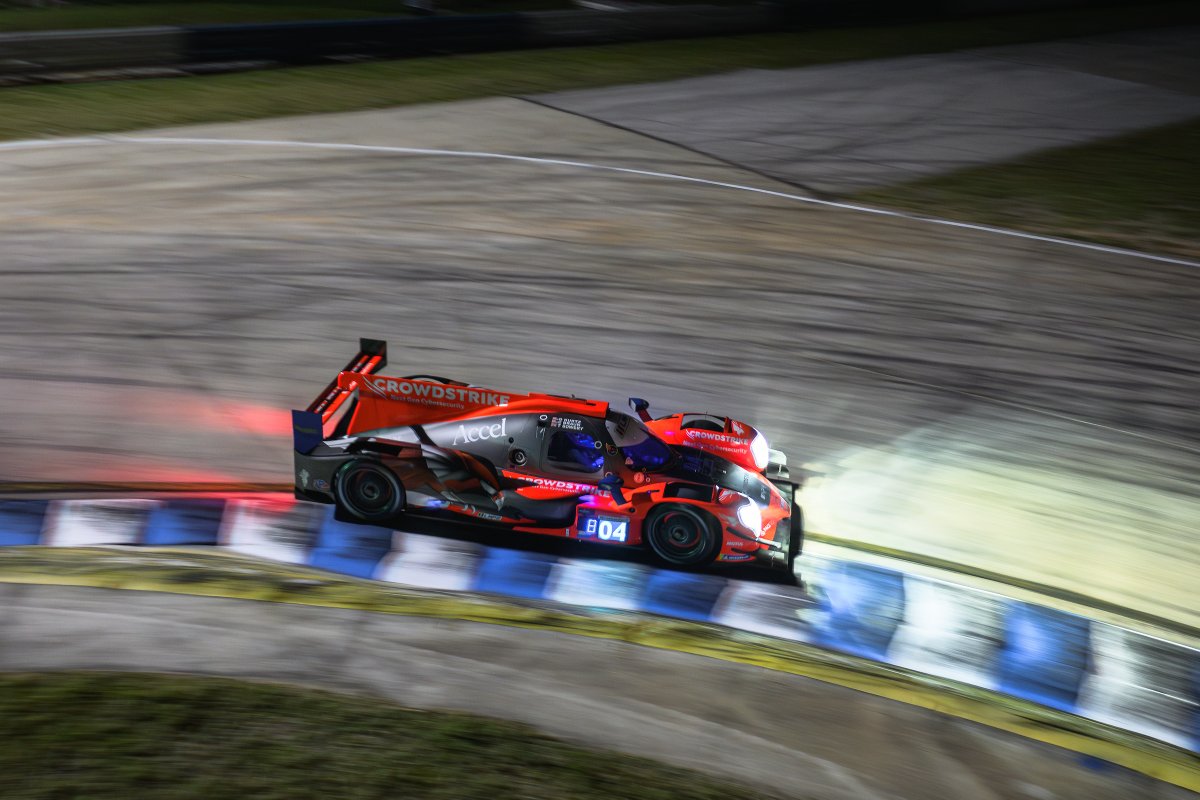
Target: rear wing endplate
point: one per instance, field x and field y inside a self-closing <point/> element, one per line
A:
<point x="308" y="426"/>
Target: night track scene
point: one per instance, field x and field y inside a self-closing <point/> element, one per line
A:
<point x="578" y="399"/>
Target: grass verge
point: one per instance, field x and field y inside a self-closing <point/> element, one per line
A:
<point x="1140" y="191"/>
<point x="34" y="111"/>
<point x="225" y="575"/>
<point x="104" y="735"/>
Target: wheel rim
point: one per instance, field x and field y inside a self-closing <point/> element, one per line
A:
<point x="680" y="537"/>
<point x="367" y="492"/>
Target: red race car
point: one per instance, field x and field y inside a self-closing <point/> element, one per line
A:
<point x="694" y="488"/>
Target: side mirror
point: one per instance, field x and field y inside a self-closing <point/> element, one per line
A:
<point x="612" y="484"/>
<point x="641" y="407"/>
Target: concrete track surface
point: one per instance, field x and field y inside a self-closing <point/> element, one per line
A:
<point x="1018" y="405"/>
<point x="847" y="127"/>
<point x="784" y="733"/>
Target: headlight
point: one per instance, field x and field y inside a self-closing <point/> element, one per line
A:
<point x="760" y="451"/>
<point x="749" y="515"/>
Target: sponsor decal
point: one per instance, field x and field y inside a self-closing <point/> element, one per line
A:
<point x="713" y="436"/>
<point x="552" y="483"/>
<point x="487" y="516"/>
<point x="566" y="486"/>
<point x="622" y="426"/>
<point x="736" y="557"/>
<point x="467" y="508"/>
<point x="303" y="479"/>
<point x="737" y="544"/>
<point x="566" y="423"/>
<point x="737" y="427"/>
<point x="321" y="483"/>
<point x="478" y="433"/>
<point x="639" y="477"/>
<point x="428" y="393"/>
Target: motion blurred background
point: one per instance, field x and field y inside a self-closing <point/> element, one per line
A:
<point x="944" y="254"/>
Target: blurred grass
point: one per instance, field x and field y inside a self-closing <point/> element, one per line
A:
<point x="103" y="735"/>
<point x="1140" y="191"/>
<point x="123" y="105"/>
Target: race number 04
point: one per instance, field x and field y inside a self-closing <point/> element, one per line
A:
<point x="611" y="531"/>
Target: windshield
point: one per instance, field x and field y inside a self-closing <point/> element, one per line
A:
<point x="640" y="449"/>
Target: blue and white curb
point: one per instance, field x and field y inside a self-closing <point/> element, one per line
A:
<point x="1066" y="661"/>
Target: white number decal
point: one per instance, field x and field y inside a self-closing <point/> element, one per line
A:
<point x="612" y="531"/>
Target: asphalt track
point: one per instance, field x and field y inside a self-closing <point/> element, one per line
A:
<point x="1020" y="405"/>
<point x="783" y="732"/>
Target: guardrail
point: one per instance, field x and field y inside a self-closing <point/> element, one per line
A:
<point x="1093" y="669"/>
<point x="338" y="40"/>
<point x="67" y="51"/>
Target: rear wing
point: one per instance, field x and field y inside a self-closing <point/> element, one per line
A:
<point x="308" y="426"/>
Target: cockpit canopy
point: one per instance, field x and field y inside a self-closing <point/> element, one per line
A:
<point x="641" y="449"/>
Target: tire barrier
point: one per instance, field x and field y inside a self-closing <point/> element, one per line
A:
<point x="261" y="44"/>
<point x="1065" y="661"/>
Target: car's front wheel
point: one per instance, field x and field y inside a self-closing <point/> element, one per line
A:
<point x="796" y="544"/>
<point x="368" y="491"/>
<point x="682" y="535"/>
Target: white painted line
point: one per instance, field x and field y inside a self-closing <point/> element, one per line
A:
<point x="421" y="151"/>
<point x="34" y="144"/>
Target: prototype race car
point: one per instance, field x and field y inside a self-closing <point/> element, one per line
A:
<point x="694" y="488"/>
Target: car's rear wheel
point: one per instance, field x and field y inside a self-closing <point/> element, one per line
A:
<point x="682" y="535"/>
<point x="369" y="491"/>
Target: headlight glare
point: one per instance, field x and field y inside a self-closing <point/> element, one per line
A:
<point x="760" y="451"/>
<point x="750" y="516"/>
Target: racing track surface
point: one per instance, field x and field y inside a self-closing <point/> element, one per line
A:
<point x="1015" y="404"/>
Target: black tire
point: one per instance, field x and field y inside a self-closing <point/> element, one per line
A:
<point x="796" y="542"/>
<point x="368" y="491"/>
<point x="682" y="535"/>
